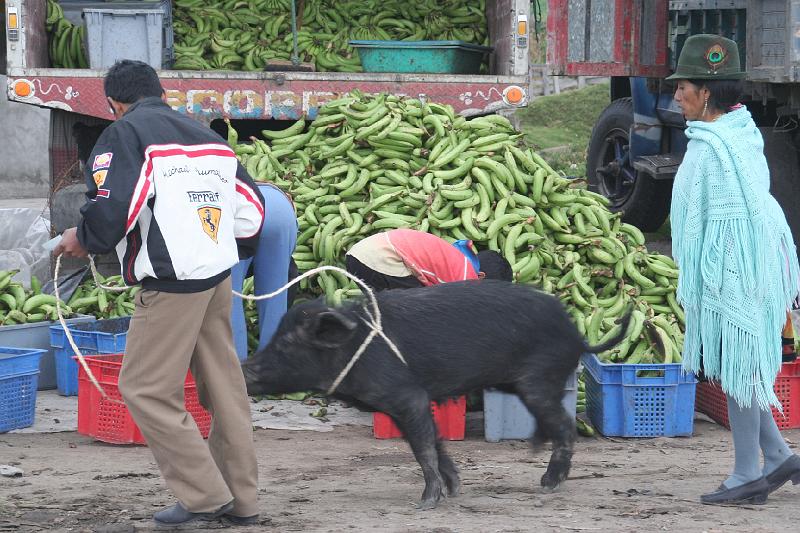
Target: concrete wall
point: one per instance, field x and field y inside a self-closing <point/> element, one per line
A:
<point x="24" y="140"/>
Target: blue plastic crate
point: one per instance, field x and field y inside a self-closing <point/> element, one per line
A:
<point x="623" y="401"/>
<point x="101" y="337"/>
<point x="506" y="417"/>
<point x="19" y="373"/>
<point x="36" y="335"/>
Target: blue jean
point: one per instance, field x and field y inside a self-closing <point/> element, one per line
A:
<point x="270" y="269"/>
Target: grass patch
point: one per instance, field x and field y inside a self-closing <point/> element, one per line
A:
<point x="564" y="121"/>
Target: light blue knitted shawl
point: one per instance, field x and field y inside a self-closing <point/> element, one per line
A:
<point x="737" y="259"/>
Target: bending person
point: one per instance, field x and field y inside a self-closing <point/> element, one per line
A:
<point x="270" y="269"/>
<point x="405" y="259"/>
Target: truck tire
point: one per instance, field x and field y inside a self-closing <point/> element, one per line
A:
<point x="642" y="200"/>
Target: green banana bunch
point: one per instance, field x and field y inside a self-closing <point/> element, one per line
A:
<point x="367" y="164"/>
<point x="89" y="299"/>
<point x="66" y="44"/>
<point x="21" y="306"/>
<point x="54" y="14"/>
<point x="246" y="35"/>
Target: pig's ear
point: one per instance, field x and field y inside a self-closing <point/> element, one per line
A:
<point x="331" y="329"/>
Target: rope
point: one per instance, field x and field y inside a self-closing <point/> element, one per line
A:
<point x="74" y="346"/>
<point x="96" y="276"/>
<point x="373" y="320"/>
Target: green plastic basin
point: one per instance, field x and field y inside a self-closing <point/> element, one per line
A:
<point x="421" y="57"/>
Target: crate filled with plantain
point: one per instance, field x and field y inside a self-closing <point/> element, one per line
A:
<point x="370" y="163"/>
<point x="248" y="34"/>
<point x="24" y="306"/>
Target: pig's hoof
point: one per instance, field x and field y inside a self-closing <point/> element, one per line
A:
<point x="426" y="505"/>
<point x="549" y="490"/>
<point x="453" y="487"/>
<point x="550" y="481"/>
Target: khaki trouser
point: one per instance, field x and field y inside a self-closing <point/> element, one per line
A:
<point x="170" y="333"/>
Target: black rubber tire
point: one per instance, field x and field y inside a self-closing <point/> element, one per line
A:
<point x="644" y="203"/>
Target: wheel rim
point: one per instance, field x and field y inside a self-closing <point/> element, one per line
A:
<point x="615" y="175"/>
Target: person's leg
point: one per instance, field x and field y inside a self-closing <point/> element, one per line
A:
<point x="271" y="262"/>
<point x="160" y="345"/>
<point x="238" y="273"/>
<point x="745" y="422"/>
<point x="772" y="443"/>
<point x="222" y="390"/>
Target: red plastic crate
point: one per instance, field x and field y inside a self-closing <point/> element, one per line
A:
<point x="110" y="421"/>
<point x="711" y="400"/>
<point x="449" y="416"/>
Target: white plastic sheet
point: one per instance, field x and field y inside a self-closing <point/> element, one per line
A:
<point x="23" y="231"/>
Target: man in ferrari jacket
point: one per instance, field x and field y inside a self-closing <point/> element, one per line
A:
<point x="169" y="195"/>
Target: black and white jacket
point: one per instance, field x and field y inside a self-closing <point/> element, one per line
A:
<point x="169" y="195"/>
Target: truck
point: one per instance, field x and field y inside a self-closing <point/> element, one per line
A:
<point x="251" y="100"/>
<point x="638" y="141"/>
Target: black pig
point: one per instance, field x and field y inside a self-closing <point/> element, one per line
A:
<point x="455" y="337"/>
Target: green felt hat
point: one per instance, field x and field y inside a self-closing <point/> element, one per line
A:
<point x="708" y="57"/>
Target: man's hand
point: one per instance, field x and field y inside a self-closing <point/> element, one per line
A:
<point x="70" y="245"/>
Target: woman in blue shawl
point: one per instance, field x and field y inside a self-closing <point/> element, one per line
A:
<point x="738" y="264"/>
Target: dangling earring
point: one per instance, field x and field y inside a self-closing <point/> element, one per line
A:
<point x="705" y="107"/>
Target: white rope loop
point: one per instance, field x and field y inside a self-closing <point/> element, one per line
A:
<point x="374" y="323"/>
<point x="96" y="276"/>
<point x="71" y="341"/>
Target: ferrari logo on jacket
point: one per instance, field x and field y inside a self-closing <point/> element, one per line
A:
<point x="209" y="218"/>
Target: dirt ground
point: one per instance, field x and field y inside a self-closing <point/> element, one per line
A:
<point x="346" y="480"/>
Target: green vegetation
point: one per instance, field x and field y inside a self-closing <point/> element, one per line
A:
<point x="561" y="125"/>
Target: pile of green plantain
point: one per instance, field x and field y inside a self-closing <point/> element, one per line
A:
<point x="20" y="306"/>
<point x="247" y="34"/>
<point x="368" y="164"/>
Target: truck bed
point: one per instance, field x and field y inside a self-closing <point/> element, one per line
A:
<point x="207" y="95"/>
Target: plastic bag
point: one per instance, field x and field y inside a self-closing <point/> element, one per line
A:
<point x="23" y="231"/>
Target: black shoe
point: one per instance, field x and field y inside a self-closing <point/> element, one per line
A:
<point x="241" y="520"/>
<point x="755" y="492"/>
<point x="788" y="471"/>
<point x="177" y="515"/>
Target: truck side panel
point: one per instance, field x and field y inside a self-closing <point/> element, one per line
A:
<point x="31" y="48"/>
<point x="510" y="56"/>
<point x="604" y="37"/>
<point x="275" y="98"/>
